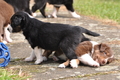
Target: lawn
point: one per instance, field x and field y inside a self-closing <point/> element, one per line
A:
<point x="102" y="9"/>
<point x="11" y="74"/>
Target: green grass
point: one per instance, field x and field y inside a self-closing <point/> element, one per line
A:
<point x="10" y="75"/>
<point x="103" y="9"/>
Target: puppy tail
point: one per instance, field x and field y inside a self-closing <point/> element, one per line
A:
<point x="89" y="32"/>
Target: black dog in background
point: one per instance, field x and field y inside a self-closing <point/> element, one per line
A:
<point x="20" y="5"/>
<point x="50" y="36"/>
<point x="24" y="5"/>
<point x="41" y="4"/>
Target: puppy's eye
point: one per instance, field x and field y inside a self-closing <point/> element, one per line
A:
<point x="105" y="53"/>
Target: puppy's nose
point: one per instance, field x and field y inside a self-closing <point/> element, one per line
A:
<point x="103" y="62"/>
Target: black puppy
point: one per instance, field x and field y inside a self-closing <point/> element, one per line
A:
<point x="41" y="4"/>
<point x="21" y="5"/>
<point x="50" y="36"/>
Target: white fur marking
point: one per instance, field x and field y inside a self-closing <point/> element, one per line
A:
<point x="34" y="14"/>
<point x="73" y="63"/>
<point x="93" y="44"/>
<point x="87" y="59"/>
<point x="61" y="66"/>
<point x="7" y="35"/>
<point x="74" y="14"/>
<point x="107" y="59"/>
<point x="29" y="15"/>
<point x="54" y="12"/>
<point x="38" y="54"/>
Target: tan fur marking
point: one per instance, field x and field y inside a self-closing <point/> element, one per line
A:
<point x="66" y="63"/>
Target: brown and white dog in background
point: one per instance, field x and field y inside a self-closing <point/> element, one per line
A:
<point x="6" y="11"/>
<point x="89" y="53"/>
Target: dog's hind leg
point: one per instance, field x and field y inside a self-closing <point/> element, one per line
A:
<point x="71" y="10"/>
<point x="39" y="4"/>
<point x="63" y="65"/>
<point x="55" y="11"/>
<point x="68" y="49"/>
<point x="38" y="54"/>
<point x="42" y="10"/>
<point x="46" y="54"/>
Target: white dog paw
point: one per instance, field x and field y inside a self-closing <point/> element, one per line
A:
<point x="77" y="16"/>
<point x="73" y="63"/>
<point x="5" y="42"/>
<point x="96" y="64"/>
<point x="61" y="66"/>
<point x="9" y="40"/>
<point x="52" y="16"/>
<point x="28" y="59"/>
<point x="34" y="14"/>
<point x="38" y="61"/>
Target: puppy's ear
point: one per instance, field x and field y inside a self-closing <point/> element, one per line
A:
<point x="15" y="21"/>
<point x="103" y="47"/>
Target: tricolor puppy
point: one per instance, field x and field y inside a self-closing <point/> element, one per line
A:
<point x="89" y="53"/>
<point x="41" y="4"/>
<point x="49" y="36"/>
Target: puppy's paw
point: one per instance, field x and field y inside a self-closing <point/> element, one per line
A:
<point x="38" y="61"/>
<point x="52" y="16"/>
<point x="61" y="66"/>
<point x="9" y="40"/>
<point x="77" y="16"/>
<point x="74" y="63"/>
<point x="96" y="64"/>
<point x="28" y="59"/>
<point x="5" y="42"/>
<point x="34" y="14"/>
<point x="44" y="58"/>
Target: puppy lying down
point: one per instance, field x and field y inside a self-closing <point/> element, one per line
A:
<point x="88" y="52"/>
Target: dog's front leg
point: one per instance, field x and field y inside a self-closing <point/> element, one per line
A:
<point x="7" y="34"/>
<point x="31" y="57"/>
<point x="63" y="65"/>
<point x="38" y="54"/>
<point x="88" y="60"/>
<point x="74" y="63"/>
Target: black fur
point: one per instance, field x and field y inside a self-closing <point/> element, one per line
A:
<point x="50" y="36"/>
<point x="41" y="5"/>
<point x="20" y="5"/>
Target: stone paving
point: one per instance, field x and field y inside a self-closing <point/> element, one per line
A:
<point x="48" y="70"/>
